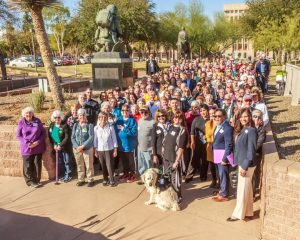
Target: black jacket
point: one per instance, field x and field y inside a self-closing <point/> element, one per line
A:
<point x="155" y="66"/>
<point x="157" y="139"/>
<point x="65" y="136"/>
<point x="261" y="137"/>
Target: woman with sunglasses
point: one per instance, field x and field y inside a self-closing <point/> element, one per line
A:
<point x="160" y="129"/>
<point x="126" y="130"/>
<point x="176" y="138"/>
<point x="60" y="138"/>
<point x="245" y="157"/>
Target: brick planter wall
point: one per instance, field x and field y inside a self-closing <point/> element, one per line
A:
<point x="280" y="195"/>
<point x="11" y="162"/>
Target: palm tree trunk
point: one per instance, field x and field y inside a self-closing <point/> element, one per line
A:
<point x="2" y="67"/>
<point x="43" y="41"/>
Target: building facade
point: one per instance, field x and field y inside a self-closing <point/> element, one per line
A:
<point x="242" y="49"/>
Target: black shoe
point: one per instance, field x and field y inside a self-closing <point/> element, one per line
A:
<point x="230" y="219"/>
<point x="68" y="179"/>
<point x="79" y="184"/>
<point x="105" y="183"/>
<point x="90" y="184"/>
<point x="34" y="185"/>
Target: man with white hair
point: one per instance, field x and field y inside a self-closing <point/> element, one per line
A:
<point x="90" y="112"/>
<point x="263" y="69"/>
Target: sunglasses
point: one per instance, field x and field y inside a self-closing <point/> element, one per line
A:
<point x="218" y="116"/>
<point x="240" y="101"/>
<point x="125" y="110"/>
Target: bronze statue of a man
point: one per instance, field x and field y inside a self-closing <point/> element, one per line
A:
<point x="108" y="34"/>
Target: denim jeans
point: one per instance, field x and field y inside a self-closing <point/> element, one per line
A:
<point x="144" y="161"/>
<point x="64" y="163"/>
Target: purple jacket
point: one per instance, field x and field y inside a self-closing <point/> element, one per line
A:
<point x="29" y="133"/>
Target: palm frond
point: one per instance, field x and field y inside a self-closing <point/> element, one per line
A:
<point x="17" y="4"/>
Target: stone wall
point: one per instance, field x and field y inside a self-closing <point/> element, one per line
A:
<point x="280" y="195"/>
<point x="11" y="160"/>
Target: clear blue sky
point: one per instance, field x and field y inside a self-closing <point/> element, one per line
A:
<point x="210" y="6"/>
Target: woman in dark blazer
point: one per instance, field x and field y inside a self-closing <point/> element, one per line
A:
<point x="160" y="129"/>
<point x="245" y="158"/>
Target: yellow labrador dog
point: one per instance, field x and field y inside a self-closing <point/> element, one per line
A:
<point x="164" y="199"/>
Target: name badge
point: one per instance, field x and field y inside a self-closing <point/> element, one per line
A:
<point x="221" y="131"/>
<point x="158" y="132"/>
<point x="173" y="133"/>
<point x="84" y="130"/>
<point x="34" y="124"/>
<point x="139" y="128"/>
<point x="246" y="131"/>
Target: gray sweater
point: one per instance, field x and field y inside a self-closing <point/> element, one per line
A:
<point x="144" y="134"/>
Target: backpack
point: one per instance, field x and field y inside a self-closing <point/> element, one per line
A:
<point x="103" y="18"/>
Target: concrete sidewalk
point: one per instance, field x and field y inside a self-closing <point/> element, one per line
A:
<point x="67" y="212"/>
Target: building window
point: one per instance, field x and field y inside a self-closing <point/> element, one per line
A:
<point x="232" y="11"/>
<point x="226" y="12"/>
<point x="240" y="46"/>
<point x="236" y="11"/>
<point x="245" y="46"/>
<point x="245" y="55"/>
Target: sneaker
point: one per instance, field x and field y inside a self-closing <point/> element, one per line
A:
<point x="61" y="180"/>
<point x="90" y="184"/>
<point x="131" y="179"/>
<point x="105" y="183"/>
<point x="124" y="176"/>
<point x="67" y="179"/>
<point x="39" y="184"/>
<point x="112" y="184"/>
<point x="34" y="185"/>
<point x="79" y="184"/>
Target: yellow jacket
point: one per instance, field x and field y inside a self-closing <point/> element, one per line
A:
<point x="209" y="136"/>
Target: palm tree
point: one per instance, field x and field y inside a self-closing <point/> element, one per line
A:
<point x="35" y="7"/>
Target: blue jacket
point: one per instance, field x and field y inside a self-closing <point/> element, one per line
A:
<point x="263" y="71"/>
<point x="245" y="148"/>
<point x="83" y="135"/>
<point x="127" y="138"/>
<point x="223" y="139"/>
<point x="191" y="85"/>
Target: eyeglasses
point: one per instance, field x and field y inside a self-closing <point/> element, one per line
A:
<point x="254" y="95"/>
<point x="125" y="110"/>
<point x="56" y="117"/>
<point x="218" y="116"/>
<point x="256" y="116"/>
<point x="143" y="112"/>
<point x="239" y="100"/>
<point x="161" y="116"/>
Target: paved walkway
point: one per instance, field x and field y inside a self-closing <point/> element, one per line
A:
<point x="67" y="212"/>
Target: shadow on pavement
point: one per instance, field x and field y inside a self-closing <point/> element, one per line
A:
<point x="15" y="226"/>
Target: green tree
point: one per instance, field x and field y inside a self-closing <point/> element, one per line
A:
<point x="35" y="8"/>
<point x="4" y="16"/>
<point x="56" y="20"/>
<point x="137" y="18"/>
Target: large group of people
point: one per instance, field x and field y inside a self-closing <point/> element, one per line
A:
<point x="201" y="116"/>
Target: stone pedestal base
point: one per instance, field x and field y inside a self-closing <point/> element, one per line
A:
<point x="111" y="70"/>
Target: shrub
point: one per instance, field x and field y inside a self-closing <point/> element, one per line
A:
<point x="37" y="100"/>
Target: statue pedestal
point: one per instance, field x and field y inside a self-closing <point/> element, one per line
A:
<point x="111" y="69"/>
